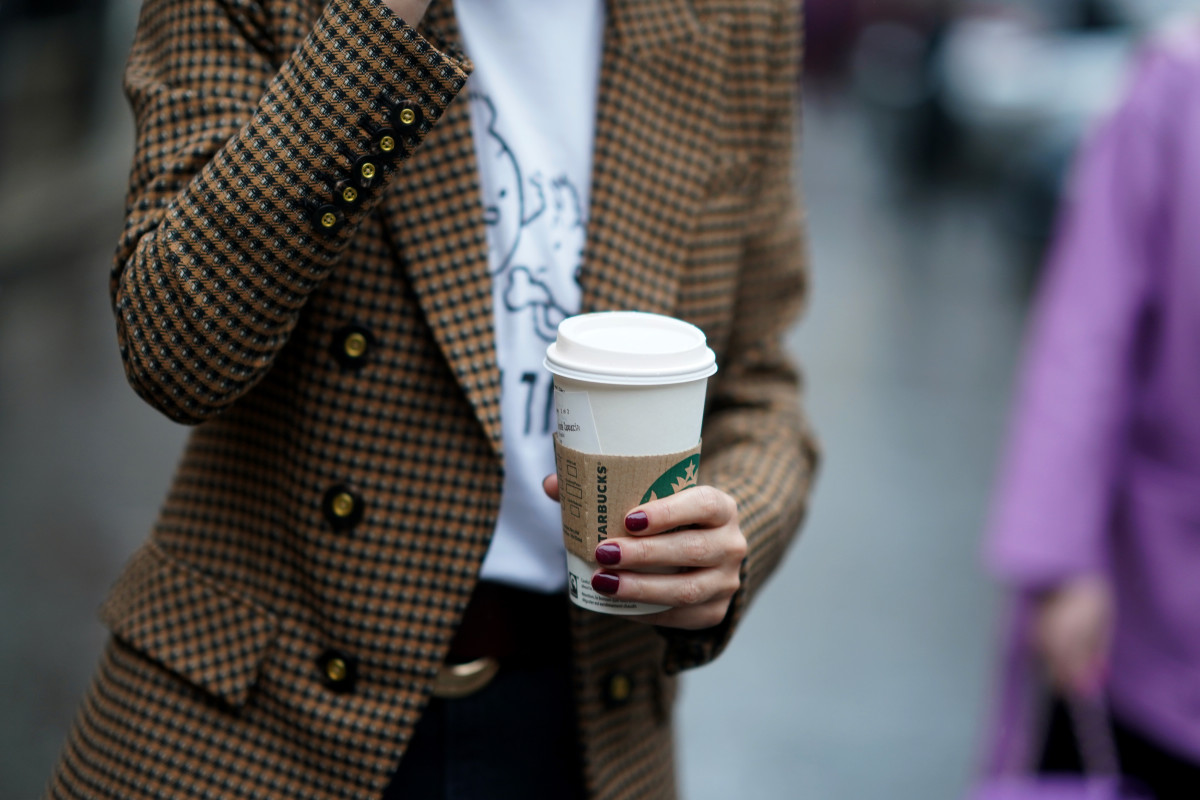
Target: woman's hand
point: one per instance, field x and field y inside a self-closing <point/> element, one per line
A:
<point x="410" y="11"/>
<point x="1073" y="629"/>
<point x="705" y="556"/>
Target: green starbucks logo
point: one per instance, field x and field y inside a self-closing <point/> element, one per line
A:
<point x="675" y="479"/>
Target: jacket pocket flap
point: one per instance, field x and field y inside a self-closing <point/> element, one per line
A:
<point x="190" y="624"/>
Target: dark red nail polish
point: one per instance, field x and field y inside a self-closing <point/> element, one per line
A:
<point x="609" y="554"/>
<point x="605" y="582"/>
<point x="636" y="521"/>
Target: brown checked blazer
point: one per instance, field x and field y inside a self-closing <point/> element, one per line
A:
<point x="303" y="277"/>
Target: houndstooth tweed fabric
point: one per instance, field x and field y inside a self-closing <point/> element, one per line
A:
<point x="303" y="277"/>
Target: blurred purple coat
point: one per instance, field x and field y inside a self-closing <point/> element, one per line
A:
<point x="1103" y="467"/>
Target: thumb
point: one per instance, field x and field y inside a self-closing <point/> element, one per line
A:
<point x="550" y="486"/>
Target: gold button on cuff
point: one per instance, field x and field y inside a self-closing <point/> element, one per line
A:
<point x="408" y="116"/>
<point x="343" y="505"/>
<point x="349" y="194"/>
<point x="356" y="345"/>
<point x="387" y="144"/>
<point x="328" y="219"/>
<point x="335" y="670"/>
<point x="367" y="171"/>
<point x="619" y="688"/>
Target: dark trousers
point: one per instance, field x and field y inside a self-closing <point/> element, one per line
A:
<point x="1150" y="765"/>
<point x="514" y="739"/>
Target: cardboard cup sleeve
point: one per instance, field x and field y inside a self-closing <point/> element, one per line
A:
<point x="596" y="491"/>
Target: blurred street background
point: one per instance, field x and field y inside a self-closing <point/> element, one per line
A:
<point x="936" y="138"/>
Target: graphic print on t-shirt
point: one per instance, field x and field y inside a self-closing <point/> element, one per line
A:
<point x="536" y="229"/>
<point x="532" y="100"/>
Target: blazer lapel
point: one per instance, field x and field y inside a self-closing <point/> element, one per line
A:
<point x="659" y="90"/>
<point x="660" y="81"/>
<point x="434" y="215"/>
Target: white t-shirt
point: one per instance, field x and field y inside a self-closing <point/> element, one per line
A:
<point x="533" y="104"/>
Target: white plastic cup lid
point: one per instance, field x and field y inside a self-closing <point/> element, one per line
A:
<point x="630" y="348"/>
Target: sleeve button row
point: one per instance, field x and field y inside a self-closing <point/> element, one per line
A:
<point x="405" y="118"/>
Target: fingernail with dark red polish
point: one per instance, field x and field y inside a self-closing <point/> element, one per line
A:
<point x="605" y="582"/>
<point x="636" y="521"/>
<point x="609" y="554"/>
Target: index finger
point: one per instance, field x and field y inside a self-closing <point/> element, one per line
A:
<point x="696" y="506"/>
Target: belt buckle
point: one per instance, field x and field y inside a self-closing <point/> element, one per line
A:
<point x="460" y="680"/>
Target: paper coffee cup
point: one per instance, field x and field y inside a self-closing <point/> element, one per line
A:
<point x="629" y="390"/>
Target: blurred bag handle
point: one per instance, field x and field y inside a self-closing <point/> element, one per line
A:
<point x="1094" y="736"/>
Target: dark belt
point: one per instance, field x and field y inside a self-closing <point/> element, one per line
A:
<point x="503" y="626"/>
